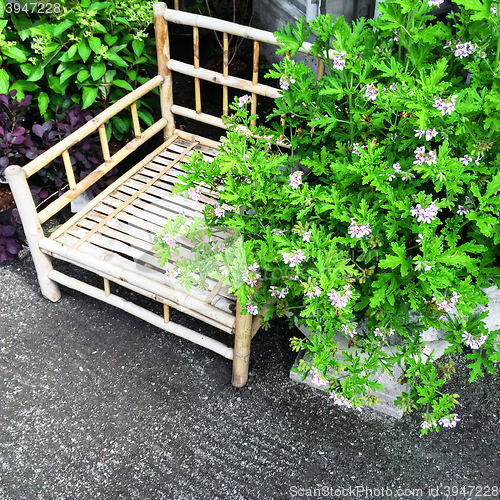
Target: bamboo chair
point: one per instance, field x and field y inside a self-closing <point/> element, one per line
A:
<point x="113" y="235"/>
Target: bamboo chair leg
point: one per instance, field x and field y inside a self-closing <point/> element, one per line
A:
<point x="242" y="340"/>
<point x="32" y="229"/>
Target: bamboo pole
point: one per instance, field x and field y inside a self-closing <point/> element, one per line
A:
<point x="91" y="126"/>
<point x="176" y="4"/>
<point x="100" y="171"/>
<point x="143" y="314"/>
<point x="16" y="177"/>
<point x="107" y="290"/>
<point x="69" y="170"/>
<point x="225" y="74"/>
<point x="104" y="142"/>
<point x="213" y="293"/>
<point x="109" y="189"/>
<point x="197" y="138"/>
<point x="134" y="196"/>
<point x="242" y="339"/>
<point x="197" y="92"/>
<point x="126" y="277"/>
<point x="211" y="120"/>
<point x="230" y="81"/>
<point x="255" y="79"/>
<point x="321" y="70"/>
<point x="224" y="327"/>
<point x="166" y="313"/>
<point x="163" y="55"/>
<point x="135" y="120"/>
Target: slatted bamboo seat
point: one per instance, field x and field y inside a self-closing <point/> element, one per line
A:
<point x="113" y="235"/>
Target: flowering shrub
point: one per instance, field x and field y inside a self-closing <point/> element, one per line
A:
<point x="385" y="204"/>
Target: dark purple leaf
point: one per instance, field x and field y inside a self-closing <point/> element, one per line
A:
<point x="59" y="183"/>
<point x="4" y="256"/>
<point x="31" y="154"/>
<point x="7" y="231"/>
<point x="26" y="101"/>
<point x="18" y="140"/>
<point x="43" y="194"/>
<point x="4" y="161"/>
<point x="86" y="146"/>
<point x="13" y="247"/>
<point x="95" y="161"/>
<point x="18" y="131"/>
<point x="4" y="99"/>
<point x="13" y="93"/>
<point x="28" y="142"/>
<point x="38" y="130"/>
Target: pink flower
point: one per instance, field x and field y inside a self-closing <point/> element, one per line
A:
<point x="339" y="60"/>
<point x="243" y="100"/>
<point x="171" y="275"/>
<point x="474" y="343"/>
<point x="251" y="276"/>
<point x="371" y="91"/>
<point x="253" y="310"/>
<point x="295" y="179"/>
<point x="446" y="107"/>
<point x="340" y="301"/>
<point x="306" y="236"/>
<point x="318" y="381"/>
<point x="449" y="421"/>
<point x="169" y="240"/>
<point x="285" y="82"/>
<point x="279" y="293"/>
<point x="464" y="49"/>
<point x="462" y="210"/>
<point x="466" y="160"/>
<point x="314" y="293"/>
<point x="340" y="401"/>
<point x="356" y="231"/>
<point x="219" y="211"/>
<point x="194" y="194"/>
<point x="426" y="215"/>
<point x="293" y="258"/>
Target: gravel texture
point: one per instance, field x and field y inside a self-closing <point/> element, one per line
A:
<point x="95" y="403"/>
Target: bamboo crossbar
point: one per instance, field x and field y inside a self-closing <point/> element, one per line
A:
<point x="91" y="126"/>
<point x="240" y="30"/>
<point x="230" y="81"/>
<point x="177" y="297"/>
<point x="109" y="189"/>
<point x="104" y="142"/>
<point x="142" y="313"/>
<point x="100" y="171"/>
<point x="70" y="174"/>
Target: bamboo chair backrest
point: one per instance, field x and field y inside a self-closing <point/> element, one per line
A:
<point x="167" y="64"/>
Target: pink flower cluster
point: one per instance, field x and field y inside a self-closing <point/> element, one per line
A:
<point x="318" y="381"/>
<point x="422" y="157"/>
<point x="314" y="293"/>
<point x="379" y="332"/>
<point x="306" y="236"/>
<point x="339" y="60"/>
<point x="371" y="91"/>
<point x="219" y="211"/>
<point x="356" y="231"/>
<point x="285" y="82"/>
<point x="462" y="210"/>
<point x="350" y="331"/>
<point x="449" y="421"/>
<point x="472" y="342"/>
<point x="169" y="240"/>
<point x="429" y="134"/>
<point x="355" y="148"/>
<point x="194" y="194"/>
<point x="464" y="49"/>
<point x="243" y="100"/>
<point x="253" y="310"/>
<point x="340" y="300"/>
<point x="295" y="179"/>
<point x="279" y="293"/>
<point x="279" y="232"/>
<point x="171" y="275"/>
<point x="426" y="215"/>
<point x="292" y="259"/>
<point x="428" y="425"/>
<point x="397" y="170"/>
<point x="251" y="276"/>
<point x="340" y="401"/>
<point x="447" y="305"/>
<point x="446" y="107"/>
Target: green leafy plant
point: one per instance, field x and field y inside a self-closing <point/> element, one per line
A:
<point x="93" y="52"/>
<point x="382" y="220"/>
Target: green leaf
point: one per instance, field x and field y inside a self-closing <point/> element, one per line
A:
<point x="22" y="25"/>
<point x="84" y="50"/>
<point x="59" y="29"/>
<point x="99" y="5"/>
<point x="71" y="71"/>
<point x="89" y="96"/>
<point x="110" y="40"/>
<point x="55" y="84"/>
<point x="82" y="75"/>
<point x="138" y="47"/>
<point x="43" y="102"/>
<point x="493" y="186"/>
<point x="119" y="124"/>
<point x="72" y="50"/>
<point x="14" y="53"/>
<point x="36" y="73"/>
<point x="146" y="116"/>
<point x="94" y="43"/>
<point x="123" y="84"/>
<point x="97" y="70"/>
<point x="117" y="60"/>
<point x="4" y="81"/>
